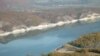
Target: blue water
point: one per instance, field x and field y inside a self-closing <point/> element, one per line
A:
<point x="47" y="41"/>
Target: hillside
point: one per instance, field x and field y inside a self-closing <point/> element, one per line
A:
<point x="86" y="45"/>
<point x="15" y="23"/>
<point x="10" y="20"/>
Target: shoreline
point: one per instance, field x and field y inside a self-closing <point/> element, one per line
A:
<point x="90" y="17"/>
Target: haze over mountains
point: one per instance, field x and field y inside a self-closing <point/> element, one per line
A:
<point x="32" y="4"/>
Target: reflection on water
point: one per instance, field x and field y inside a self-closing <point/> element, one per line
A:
<point x="48" y="41"/>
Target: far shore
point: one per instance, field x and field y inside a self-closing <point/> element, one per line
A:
<point x="91" y="17"/>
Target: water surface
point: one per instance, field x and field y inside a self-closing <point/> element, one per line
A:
<point x="47" y="41"/>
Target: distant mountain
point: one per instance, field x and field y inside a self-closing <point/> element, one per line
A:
<point x="15" y="20"/>
<point x="11" y="19"/>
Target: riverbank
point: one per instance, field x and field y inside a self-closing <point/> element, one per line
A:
<point x="92" y="18"/>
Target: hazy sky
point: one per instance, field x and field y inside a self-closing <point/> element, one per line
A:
<point x="23" y="4"/>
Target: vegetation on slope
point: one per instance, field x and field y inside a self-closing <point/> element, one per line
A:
<point x="88" y="41"/>
<point x="88" y="46"/>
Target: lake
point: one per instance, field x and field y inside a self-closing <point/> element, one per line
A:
<point x="47" y="41"/>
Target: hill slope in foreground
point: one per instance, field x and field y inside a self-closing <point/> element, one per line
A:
<point x="86" y="45"/>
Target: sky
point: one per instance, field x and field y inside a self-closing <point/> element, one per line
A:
<point x="27" y="4"/>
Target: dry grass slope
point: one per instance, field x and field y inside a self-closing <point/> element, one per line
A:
<point x="88" y="44"/>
